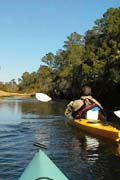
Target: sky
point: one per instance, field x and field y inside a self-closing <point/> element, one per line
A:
<point x="29" y="29"/>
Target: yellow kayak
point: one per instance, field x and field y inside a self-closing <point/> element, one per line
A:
<point x="95" y="127"/>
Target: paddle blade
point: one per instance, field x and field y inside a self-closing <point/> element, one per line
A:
<point x="117" y="113"/>
<point x="42" y="97"/>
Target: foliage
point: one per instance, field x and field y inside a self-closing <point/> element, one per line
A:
<point x="9" y="86"/>
<point x="93" y="59"/>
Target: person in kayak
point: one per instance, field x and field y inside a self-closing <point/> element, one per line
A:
<point x="86" y="102"/>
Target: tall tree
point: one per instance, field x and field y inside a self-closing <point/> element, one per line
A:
<point x="74" y="39"/>
<point x="49" y="59"/>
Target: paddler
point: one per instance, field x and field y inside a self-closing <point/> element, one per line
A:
<point x="86" y="102"/>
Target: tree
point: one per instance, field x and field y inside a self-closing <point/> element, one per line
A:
<point x="49" y="59"/>
<point x="93" y="59"/>
<point x="44" y="79"/>
<point x="74" y="39"/>
<point x="28" y="82"/>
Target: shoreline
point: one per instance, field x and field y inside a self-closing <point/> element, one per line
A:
<point x="8" y="94"/>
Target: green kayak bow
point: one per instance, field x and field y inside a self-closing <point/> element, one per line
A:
<point x="42" y="168"/>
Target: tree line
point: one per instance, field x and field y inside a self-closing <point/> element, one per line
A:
<point x="92" y="59"/>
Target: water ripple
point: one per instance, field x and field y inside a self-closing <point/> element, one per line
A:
<point x="78" y="155"/>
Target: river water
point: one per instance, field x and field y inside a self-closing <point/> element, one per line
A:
<point x="24" y="121"/>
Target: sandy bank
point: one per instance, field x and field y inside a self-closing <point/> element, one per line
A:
<point x="4" y="93"/>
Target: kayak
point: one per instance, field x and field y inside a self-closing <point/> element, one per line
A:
<point x="41" y="167"/>
<point x="94" y="127"/>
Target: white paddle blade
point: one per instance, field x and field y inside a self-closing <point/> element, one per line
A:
<point x="42" y="97"/>
<point x="117" y="113"/>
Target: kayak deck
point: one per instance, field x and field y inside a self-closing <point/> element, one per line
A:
<point x="41" y="167"/>
<point x="106" y="131"/>
<point x="97" y="128"/>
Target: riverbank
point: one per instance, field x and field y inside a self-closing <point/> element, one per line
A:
<point x="7" y="94"/>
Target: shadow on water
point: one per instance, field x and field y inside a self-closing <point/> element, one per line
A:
<point x="78" y="155"/>
<point x="100" y="159"/>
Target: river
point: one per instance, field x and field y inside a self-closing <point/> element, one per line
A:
<point x="24" y="121"/>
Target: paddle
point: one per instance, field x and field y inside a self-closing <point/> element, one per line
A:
<point x="117" y="113"/>
<point x="43" y="97"/>
<point x="39" y="145"/>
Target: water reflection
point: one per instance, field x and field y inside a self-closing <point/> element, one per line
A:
<point x="78" y="155"/>
<point x="9" y="112"/>
<point x="43" y="109"/>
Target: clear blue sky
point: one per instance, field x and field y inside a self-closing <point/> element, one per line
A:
<point x="31" y="28"/>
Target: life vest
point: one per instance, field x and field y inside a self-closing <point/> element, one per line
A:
<point x="81" y="106"/>
<point x="85" y="108"/>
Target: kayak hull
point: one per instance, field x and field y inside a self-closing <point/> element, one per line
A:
<point x="40" y="167"/>
<point x="95" y="127"/>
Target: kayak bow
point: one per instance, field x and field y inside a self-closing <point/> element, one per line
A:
<point x="41" y="167"/>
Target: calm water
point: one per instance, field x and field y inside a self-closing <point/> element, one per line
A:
<point x="79" y="156"/>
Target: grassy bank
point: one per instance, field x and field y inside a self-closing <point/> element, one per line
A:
<point x="7" y="94"/>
